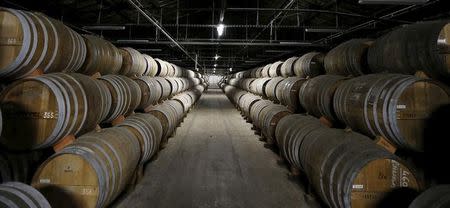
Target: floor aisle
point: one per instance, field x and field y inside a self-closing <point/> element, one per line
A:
<point x="216" y="160"/>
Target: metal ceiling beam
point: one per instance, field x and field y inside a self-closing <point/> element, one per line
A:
<point x="281" y="44"/>
<point x="137" y="4"/>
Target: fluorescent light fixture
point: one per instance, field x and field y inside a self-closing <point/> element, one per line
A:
<point x="322" y="30"/>
<point x="133" y="41"/>
<point x="295" y="43"/>
<point x="215" y="65"/>
<point x="398" y="2"/>
<point x="150" y="49"/>
<point x="216" y="57"/>
<point x="248" y="61"/>
<point x="103" y="27"/>
<point x="220" y="29"/>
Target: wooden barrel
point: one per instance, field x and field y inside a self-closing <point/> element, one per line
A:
<point x="289" y="134"/>
<point x="256" y="72"/>
<point x="148" y="129"/>
<point x="20" y="195"/>
<point x="167" y="115"/>
<point x="133" y="64"/>
<point x="152" y="66"/>
<point x="247" y="102"/>
<point x="246" y="84"/>
<point x="105" y="98"/>
<point x="423" y="46"/>
<point x="256" y="110"/>
<point x="170" y="69"/>
<point x="173" y="85"/>
<point x="92" y="171"/>
<point x="345" y="168"/>
<point x="178" y="71"/>
<point x="151" y="91"/>
<point x="236" y="97"/>
<point x="125" y="93"/>
<point x="181" y="86"/>
<point x="435" y="197"/>
<point x="309" y="65"/>
<point x="275" y="69"/>
<point x="186" y="100"/>
<point x="264" y="71"/>
<point x="49" y="107"/>
<point x="348" y="58"/>
<point x="269" y="118"/>
<point x="287" y="92"/>
<point x="33" y="41"/>
<point x="316" y="95"/>
<point x="165" y="86"/>
<point x="188" y="73"/>
<point x="102" y="57"/>
<point x="287" y="68"/>
<point x="271" y="86"/>
<point x="162" y="68"/>
<point x="260" y="86"/>
<point x="390" y="105"/>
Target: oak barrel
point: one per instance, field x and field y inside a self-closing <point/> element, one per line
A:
<point x="287" y="68"/>
<point x="435" y="197"/>
<point x="271" y="86"/>
<point x="148" y="129"/>
<point x="92" y="171"/>
<point x="390" y="105"/>
<point x="32" y="41"/>
<point x="133" y="64"/>
<point x="309" y="65"/>
<point x="275" y="69"/>
<point x="316" y="95"/>
<point x="49" y="107"/>
<point x="423" y="46"/>
<point x="102" y="57"/>
<point x="151" y="91"/>
<point x="348" y="58"/>
<point x="125" y="93"/>
<point x="20" y="195"/>
<point x="152" y="66"/>
<point x="287" y="92"/>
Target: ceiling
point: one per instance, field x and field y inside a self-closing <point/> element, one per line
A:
<point x="256" y="31"/>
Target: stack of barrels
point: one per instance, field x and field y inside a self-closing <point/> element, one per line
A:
<point x="95" y="168"/>
<point x="35" y="43"/>
<point x="15" y="194"/>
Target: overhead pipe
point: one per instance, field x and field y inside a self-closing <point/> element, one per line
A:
<point x="155" y="22"/>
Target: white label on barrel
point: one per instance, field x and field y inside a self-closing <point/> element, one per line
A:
<point x="358" y="186"/>
<point x="44" y="180"/>
<point x="401" y="106"/>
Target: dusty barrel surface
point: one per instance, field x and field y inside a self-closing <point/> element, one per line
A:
<point x="92" y="171"/>
<point x="33" y="41"/>
<point x="287" y="68"/>
<point x="269" y="118"/>
<point x="390" y="105"/>
<point x="287" y="92"/>
<point x="102" y="57"/>
<point x="125" y="94"/>
<point x="152" y="66"/>
<point x="20" y="195"/>
<point x="49" y="107"/>
<point x="275" y="69"/>
<point x="165" y="86"/>
<point x="264" y="72"/>
<point x="162" y="68"/>
<point x="309" y="65"/>
<point x="151" y="91"/>
<point x="421" y="46"/>
<point x="133" y="64"/>
<point x="148" y="130"/>
<point x="434" y="197"/>
<point x="271" y="86"/>
<point x="316" y="95"/>
<point x="348" y="58"/>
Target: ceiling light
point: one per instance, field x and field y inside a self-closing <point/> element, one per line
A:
<point x="215" y="65"/>
<point x="220" y="29"/>
<point x="322" y="30"/>
<point x="231" y="69"/>
<point x="133" y="41"/>
<point x="216" y="57"/>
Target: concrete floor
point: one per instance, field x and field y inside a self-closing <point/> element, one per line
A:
<point x="216" y="160"/>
